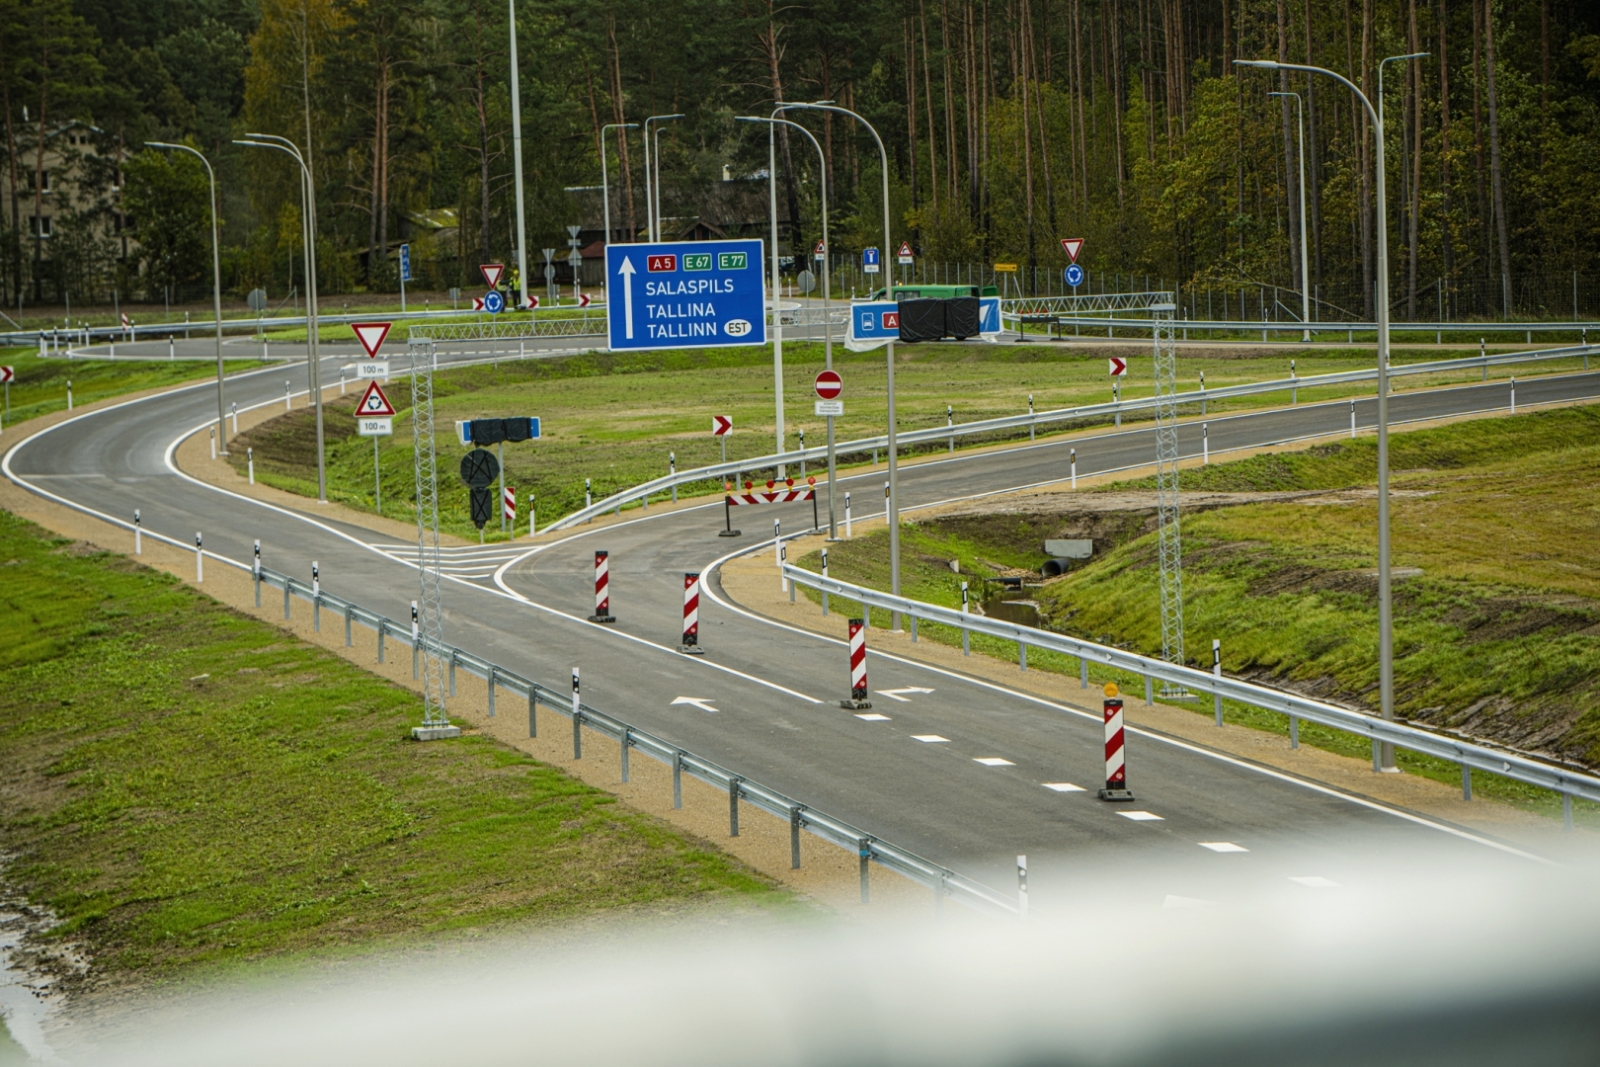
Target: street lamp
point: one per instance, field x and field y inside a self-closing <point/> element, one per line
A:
<point x="216" y="282"/>
<point x="308" y="199"/>
<point x="516" y="161"/>
<point x="1385" y="759"/>
<point x="605" y="180"/>
<point x="652" y="178"/>
<point x="1305" y="256"/>
<point x="827" y="333"/>
<point x="894" y="477"/>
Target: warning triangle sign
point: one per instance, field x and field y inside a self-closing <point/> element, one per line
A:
<point x="371" y="335"/>
<point x="373" y="402"/>
<point x="905" y="250"/>
<point x="492" y="272"/>
<point x="1072" y="245"/>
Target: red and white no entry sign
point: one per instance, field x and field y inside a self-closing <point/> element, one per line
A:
<point x="829" y="385"/>
<point x="1119" y="366"/>
<point x="721" y="425"/>
<point x="371" y="335"/>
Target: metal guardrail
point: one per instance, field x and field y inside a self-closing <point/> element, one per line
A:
<point x="867" y="847"/>
<point x="589" y="324"/>
<point x="1031" y="421"/>
<point x="1468" y="755"/>
<point x="157" y="330"/>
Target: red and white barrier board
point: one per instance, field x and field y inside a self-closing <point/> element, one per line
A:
<point x="691" y="614"/>
<point x="773" y="494"/>
<point x="602" y="588"/>
<point x="1116" y="763"/>
<point x="508" y="507"/>
<point x="858" y="667"/>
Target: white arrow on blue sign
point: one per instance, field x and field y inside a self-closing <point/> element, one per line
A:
<point x="1074" y="275"/>
<point x="685" y="294"/>
<point x="493" y="302"/>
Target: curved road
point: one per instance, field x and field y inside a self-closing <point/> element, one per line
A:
<point x="775" y="689"/>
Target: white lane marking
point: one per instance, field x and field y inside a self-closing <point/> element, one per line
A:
<point x="1223" y="846"/>
<point x="993" y="761"/>
<point x="1063" y="787"/>
<point x="898" y="694"/>
<point x="930" y="739"/>
<point x="1096" y="717"/>
<point x="703" y="703"/>
<point x="872" y="716"/>
<point x="1141" y="816"/>
<point x="1314" y="881"/>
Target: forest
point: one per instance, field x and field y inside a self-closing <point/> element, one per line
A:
<point x="1008" y="125"/>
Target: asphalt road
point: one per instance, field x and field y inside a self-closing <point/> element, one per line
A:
<point x="775" y="690"/>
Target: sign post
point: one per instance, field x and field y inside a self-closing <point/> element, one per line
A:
<point x="905" y="258"/>
<point x="375" y="419"/>
<point x="6" y="374"/>
<point x="829" y="386"/>
<point x="575" y="261"/>
<point x="721" y="427"/>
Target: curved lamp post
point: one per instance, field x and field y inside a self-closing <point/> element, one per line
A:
<point x="216" y="283"/>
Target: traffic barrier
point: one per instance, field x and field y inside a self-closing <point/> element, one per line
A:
<point x="1116" y="762"/>
<point x="691" y="615"/>
<point x="727" y="512"/>
<point x="602" y="589"/>
<point x="858" y="668"/>
<point x="773" y="495"/>
<point x="508" y="510"/>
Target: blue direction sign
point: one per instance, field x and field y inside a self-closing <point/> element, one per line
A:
<point x="1073" y="275"/>
<point x="877" y="323"/>
<point x="493" y="302"/>
<point x="869" y="261"/>
<point x="685" y="294"/>
<point x="405" y="263"/>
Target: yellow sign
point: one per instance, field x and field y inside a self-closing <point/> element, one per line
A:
<point x="1111" y="689"/>
<point x="1006" y="268"/>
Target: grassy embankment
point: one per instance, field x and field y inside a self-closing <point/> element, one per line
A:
<point x="615" y="418"/>
<point x="187" y="786"/>
<point x="1497" y="619"/>
<point x="41" y="384"/>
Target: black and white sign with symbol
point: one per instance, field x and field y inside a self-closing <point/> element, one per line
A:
<point x="479" y="468"/>
<point x="373" y="402"/>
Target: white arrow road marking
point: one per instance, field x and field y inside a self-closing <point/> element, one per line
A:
<point x="703" y="703"/>
<point x="897" y="694"/>
<point x="627" y="272"/>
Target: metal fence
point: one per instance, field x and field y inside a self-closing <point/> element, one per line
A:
<point x="587" y="323"/>
<point x="739" y="788"/>
<point x="1032" y="421"/>
<point x="1470" y="756"/>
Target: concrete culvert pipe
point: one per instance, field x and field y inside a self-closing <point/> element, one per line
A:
<point x="1055" y="568"/>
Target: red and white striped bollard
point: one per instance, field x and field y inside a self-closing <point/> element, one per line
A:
<point x="602" y="589"/>
<point x="508" y="508"/>
<point x="691" y="615"/>
<point x="858" y="667"/>
<point x="1116" y="765"/>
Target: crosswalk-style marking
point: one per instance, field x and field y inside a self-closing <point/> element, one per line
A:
<point x="473" y="562"/>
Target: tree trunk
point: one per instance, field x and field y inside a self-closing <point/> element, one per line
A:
<point x="1446" y="248"/>
<point x="933" y="127"/>
<point x="38" y="181"/>
<point x="911" y="114"/>
<point x="1495" y="182"/>
<point x="383" y="189"/>
<point x="619" y="115"/>
<point x="1477" y="139"/>
<point x="1118" y="100"/>
<point x="1415" y="214"/>
<point x="1291" y="174"/>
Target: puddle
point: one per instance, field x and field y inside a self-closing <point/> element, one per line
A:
<point x="1015" y="606"/>
<point x="29" y="993"/>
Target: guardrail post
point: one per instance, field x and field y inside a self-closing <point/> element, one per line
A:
<point x="1031" y="423"/>
<point x="677" y="779"/>
<point x="493" y="670"/>
<point x="286" y="598"/>
<point x="1483" y="357"/>
<point x="949" y="424"/>
<point x="1466" y="782"/>
<point x="939" y="893"/>
<point x="913" y="619"/>
<point x="824" y="592"/>
<point x="577" y="719"/>
<point x="1216" y="672"/>
<point x="1083" y="672"/>
<point x="1203" y="382"/>
<point x="864" y="848"/>
<point x="1566" y="810"/>
<point x="1294" y="731"/>
<point x="733" y="805"/>
<point x="627" y="743"/>
<point x="1294" y="390"/>
<point x="1149" y="692"/>
<point x="452" y="672"/>
<point x="1377" y="757"/>
<point x="347" y="635"/>
<point x="533" y="711"/>
<point x="794" y="837"/>
<point x="383" y="626"/>
<point x="1022" y="656"/>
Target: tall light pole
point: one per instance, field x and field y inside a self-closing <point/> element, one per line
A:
<point x="657" y="163"/>
<point x="308" y="199"/>
<point x="1305" y="255"/>
<point x="216" y="283"/>
<point x="605" y="180"/>
<point x="894" y="477"/>
<point x="652" y="224"/>
<point x="516" y="160"/>
<point x="1385" y="604"/>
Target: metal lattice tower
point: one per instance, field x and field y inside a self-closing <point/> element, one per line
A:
<point x="430" y="606"/>
<point x="1168" y="542"/>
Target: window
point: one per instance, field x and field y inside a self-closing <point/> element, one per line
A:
<point x="39" y="226"/>
<point x="33" y="177"/>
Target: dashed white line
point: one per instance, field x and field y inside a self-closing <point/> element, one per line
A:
<point x="1140" y="816"/>
<point x="930" y="739"/>
<point x="872" y="716"/>
<point x="1063" y="787"/>
<point x="1223" y="846"/>
<point x="993" y="761"/>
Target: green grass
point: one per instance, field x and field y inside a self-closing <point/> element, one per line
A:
<point x="41" y="384"/>
<point x="184" y="785"/>
<point x="614" y="418"/>
<point x="1498" y="635"/>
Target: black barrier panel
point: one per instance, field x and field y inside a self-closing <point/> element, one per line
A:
<point x="961" y="317"/>
<point x="921" y="319"/>
<point x="488" y="431"/>
<point x="518" y="429"/>
<point x="479" y="468"/>
<point x="482" y="506"/>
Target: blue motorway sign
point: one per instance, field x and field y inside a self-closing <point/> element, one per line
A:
<point x="685" y="294"/>
<point x="869" y="262"/>
<point x="876" y="323"/>
<point x="405" y="263"/>
<point x="493" y="302"/>
<point x="1073" y="275"/>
